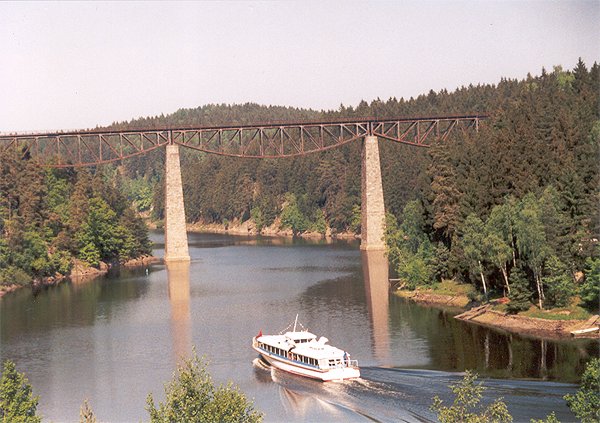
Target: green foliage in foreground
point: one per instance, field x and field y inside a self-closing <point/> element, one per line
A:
<point x="17" y="403"/>
<point x="585" y="404"/>
<point x="466" y="406"/>
<point x="551" y="418"/>
<point x="192" y="397"/>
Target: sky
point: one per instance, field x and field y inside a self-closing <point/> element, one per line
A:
<point x="77" y="65"/>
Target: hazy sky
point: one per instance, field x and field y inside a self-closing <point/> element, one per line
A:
<point x="80" y="64"/>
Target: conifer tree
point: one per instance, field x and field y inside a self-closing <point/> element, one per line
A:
<point x="520" y="293"/>
<point x="17" y="402"/>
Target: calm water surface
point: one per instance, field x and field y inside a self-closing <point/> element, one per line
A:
<point x="115" y="339"/>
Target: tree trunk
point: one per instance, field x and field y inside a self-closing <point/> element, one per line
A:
<point x="539" y="290"/>
<point x="482" y="278"/>
<point x="513" y="253"/>
<point x="504" y="273"/>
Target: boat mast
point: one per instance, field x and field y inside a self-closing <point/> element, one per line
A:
<point x="295" y="322"/>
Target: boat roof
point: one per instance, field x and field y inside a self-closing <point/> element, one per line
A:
<point x="295" y="336"/>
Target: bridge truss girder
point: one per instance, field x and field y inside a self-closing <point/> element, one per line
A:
<point x="85" y="148"/>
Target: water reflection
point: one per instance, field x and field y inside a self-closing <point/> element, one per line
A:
<point x="454" y="345"/>
<point x="376" y="277"/>
<point x="115" y="340"/>
<point x="178" y="274"/>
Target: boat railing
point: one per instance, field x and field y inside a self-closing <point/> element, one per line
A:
<point x="343" y="364"/>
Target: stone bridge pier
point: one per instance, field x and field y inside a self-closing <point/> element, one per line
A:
<point x="372" y="206"/>
<point x="176" y="243"/>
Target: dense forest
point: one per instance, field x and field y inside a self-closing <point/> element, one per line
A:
<point x="512" y="208"/>
<point x="50" y="217"/>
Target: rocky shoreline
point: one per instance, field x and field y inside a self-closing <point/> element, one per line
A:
<point x="274" y="230"/>
<point x="486" y="316"/>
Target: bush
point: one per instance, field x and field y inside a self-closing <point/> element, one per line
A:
<point x="14" y="276"/>
<point x="257" y="216"/>
<point x="192" y="397"/>
<point x="292" y="217"/>
<point x="319" y="225"/>
<point x="466" y="405"/>
<point x="585" y="404"/>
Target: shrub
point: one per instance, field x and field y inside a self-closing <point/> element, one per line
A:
<point x="466" y="406"/>
<point x="585" y="404"/>
<point x="192" y="397"/>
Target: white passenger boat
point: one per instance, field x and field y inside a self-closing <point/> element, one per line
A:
<point x="300" y="352"/>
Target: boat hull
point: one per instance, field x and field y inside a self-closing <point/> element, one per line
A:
<point x="325" y="375"/>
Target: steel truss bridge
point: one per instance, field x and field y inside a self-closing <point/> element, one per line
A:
<point x="270" y="140"/>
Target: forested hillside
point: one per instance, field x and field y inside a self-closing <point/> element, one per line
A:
<point x="48" y="218"/>
<point x="521" y="193"/>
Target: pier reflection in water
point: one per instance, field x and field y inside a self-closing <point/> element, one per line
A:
<point x="178" y="275"/>
<point x="376" y="277"/>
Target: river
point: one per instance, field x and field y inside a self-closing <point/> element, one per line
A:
<point x="117" y="338"/>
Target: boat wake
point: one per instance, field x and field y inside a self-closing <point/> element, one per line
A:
<point x="347" y="400"/>
<point x="405" y="395"/>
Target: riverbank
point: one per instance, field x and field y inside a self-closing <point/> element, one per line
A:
<point x="247" y="227"/>
<point x="35" y="284"/>
<point x="546" y="328"/>
<point x="80" y="272"/>
<point x="557" y="325"/>
<point x="433" y="299"/>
